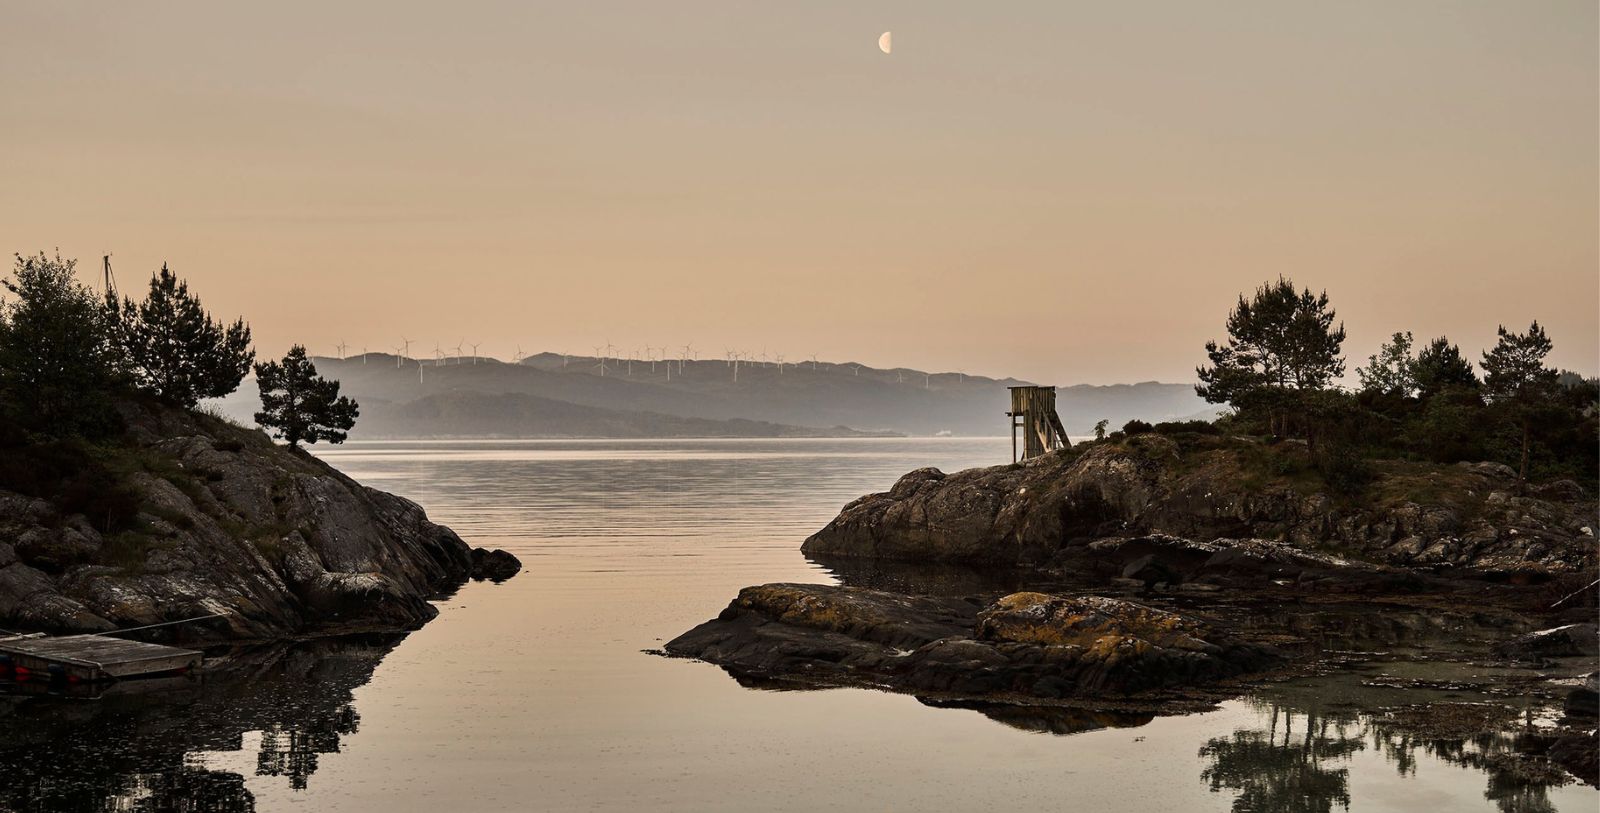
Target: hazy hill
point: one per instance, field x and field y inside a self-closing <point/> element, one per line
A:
<point x="512" y="414"/>
<point x="568" y="396"/>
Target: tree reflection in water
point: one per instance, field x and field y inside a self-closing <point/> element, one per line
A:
<point x="131" y="746"/>
<point x="1294" y="763"/>
<point x="1277" y="770"/>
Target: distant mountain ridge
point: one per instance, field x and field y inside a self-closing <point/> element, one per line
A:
<point x="554" y="395"/>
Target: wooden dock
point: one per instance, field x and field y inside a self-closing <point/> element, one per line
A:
<point x="91" y="657"/>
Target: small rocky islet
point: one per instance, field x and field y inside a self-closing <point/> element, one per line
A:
<point x="185" y="516"/>
<point x="1158" y="575"/>
<point x="1024" y="645"/>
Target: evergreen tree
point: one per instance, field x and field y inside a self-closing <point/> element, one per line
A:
<point x="1518" y="383"/>
<point x="1392" y="370"/>
<point x="57" y="359"/>
<point x="300" y="406"/>
<point x="175" y="350"/>
<point x="1281" y="345"/>
<point x="1440" y="366"/>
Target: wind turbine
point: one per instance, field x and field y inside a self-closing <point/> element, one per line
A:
<point x="363" y="354"/>
<point x="813" y="362"/>
<point x="475" y="353"/>
<point x="459" y="351"/>
<point x="518" y="358"/>
<point x="341" y="345"/>
<point x="438" y="355"/>
<point x="686" y="349"/>
<point x="405" y="354"/>
<point x="779" y="357"/>
<point x="602" y="364"/>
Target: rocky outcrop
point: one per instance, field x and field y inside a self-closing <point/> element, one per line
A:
<point x="1158" y="562"/>
<point x="495" y="565"/>
<point x="1028" y="646"/>
<point x="1568" y="640"/>
<point x="222" y="521"/>
<point x="1467" y="517"/>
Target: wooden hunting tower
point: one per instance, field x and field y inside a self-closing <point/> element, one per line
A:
<point x="1033" y="413"/>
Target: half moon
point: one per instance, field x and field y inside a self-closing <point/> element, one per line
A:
<point x="884" y="43"/>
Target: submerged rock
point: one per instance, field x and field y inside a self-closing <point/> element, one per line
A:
<point x="1583" y="700"/>
<point x="1030" y="645"/>
<point x="1579" y="753"/>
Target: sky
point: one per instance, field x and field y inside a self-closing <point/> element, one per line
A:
<point x="1065" y="192"/>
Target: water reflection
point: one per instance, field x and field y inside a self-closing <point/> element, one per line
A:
<point x="1299" y="759"/>
<point x="138" y="745"/>
<point x="533" y="695"/>
<point x="1057" y="720"/>
<point x="1399" y="684"/>
<point x="926" y="579"/>
<point x="1273" y="769"/>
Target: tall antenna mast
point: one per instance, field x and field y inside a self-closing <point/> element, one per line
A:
<point x="111" y="279"/>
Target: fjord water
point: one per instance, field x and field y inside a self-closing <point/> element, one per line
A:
<point x="536" y="694"/>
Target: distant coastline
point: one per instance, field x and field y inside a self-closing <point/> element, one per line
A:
<point x="551" y="396"/>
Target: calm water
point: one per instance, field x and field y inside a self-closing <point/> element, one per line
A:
<point x="535" y="695"/>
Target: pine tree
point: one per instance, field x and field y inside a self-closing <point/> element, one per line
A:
<point x="300" y="406"/>
<point x="175" y="350"/>
<point x="1440" y="366"/>
<point x="57" y="359"/>
<point x="1517" y="381"/>
<point x="1281" y="345"/>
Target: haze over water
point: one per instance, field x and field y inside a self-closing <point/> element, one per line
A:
<point x="534" y="694"/>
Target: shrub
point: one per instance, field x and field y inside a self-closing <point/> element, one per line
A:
<point x="1183" y="427"/>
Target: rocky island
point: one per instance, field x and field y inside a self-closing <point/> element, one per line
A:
<point x="186" y="515"/>
<point x="124" y="505"/>
<point x="1469" y="519"/>
<point x="1160" y="573"/>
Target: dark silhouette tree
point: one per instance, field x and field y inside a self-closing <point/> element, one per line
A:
<point x="175" y="350"/>
<point x="58" y="363"/>
<point x="300" y="406"/>
<point x="1517" y="382"/>
<point x="1282" y="344"/>
<point x="1440" y="366"/>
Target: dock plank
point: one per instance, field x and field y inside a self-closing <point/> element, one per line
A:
<point x="97" y="657"/>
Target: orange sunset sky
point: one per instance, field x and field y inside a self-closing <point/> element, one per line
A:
<point x="1067" y="192"/>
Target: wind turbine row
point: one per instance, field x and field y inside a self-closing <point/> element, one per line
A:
<point x="608" y="359"/>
